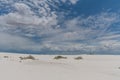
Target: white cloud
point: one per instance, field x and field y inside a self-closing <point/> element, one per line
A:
<point x="74" y="1"/>
<point x="8" y="41"/>
<point x="26" y="19"/>
<point x="23" y="9"/>
<point x="87" y="28"/>
<point x="78" y="34"/>
<point x="83" y="29"/>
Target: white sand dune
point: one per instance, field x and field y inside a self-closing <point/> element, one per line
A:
<point x="91" y="67"/>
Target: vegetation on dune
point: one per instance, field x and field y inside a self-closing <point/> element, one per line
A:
<point x="78" y="58"/>
<point x="27" y="57"/>
<point x="6" y="57"/>
<point x="118" y="67"/>
<point x="60" y="57"/>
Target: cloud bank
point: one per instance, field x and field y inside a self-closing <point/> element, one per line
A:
<point x="34" y="26"/>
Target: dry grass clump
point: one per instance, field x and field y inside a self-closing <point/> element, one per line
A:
<point x="78" y="58"/>
<point x="60" y="57"/>
<point x="6" y="57"/>
<point x="27" y="57"/>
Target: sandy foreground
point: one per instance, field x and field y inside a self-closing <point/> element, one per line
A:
<point x="91" y="67"/>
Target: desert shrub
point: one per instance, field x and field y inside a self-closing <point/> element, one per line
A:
<point x="78" y="58"/>
<point x="21" y="58"/>
<point x="28" y="57"/>
<point x="6" y="57"/>
<point x="60" y="57"/>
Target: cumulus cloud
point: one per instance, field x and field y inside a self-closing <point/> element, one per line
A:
<point x="8" y="42"/>
<point x="23" y="9"/>
<point x="25" y="19"/>
<point x="72" y="1"/>
<point x="27" y="29"/>
<point x="89" y="27"/>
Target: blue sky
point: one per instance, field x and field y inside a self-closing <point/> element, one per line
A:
<point x="60" y="26"/>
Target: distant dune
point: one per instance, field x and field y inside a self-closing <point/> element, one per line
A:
<point x="70" y="67"/>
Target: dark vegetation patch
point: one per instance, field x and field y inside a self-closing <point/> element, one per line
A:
<point x="118" y="67"/>
<point x="78" y="58"/>
<point x="27" y="57"/>
<point x="60" y="57"/>
<point x="6" y="57"/>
